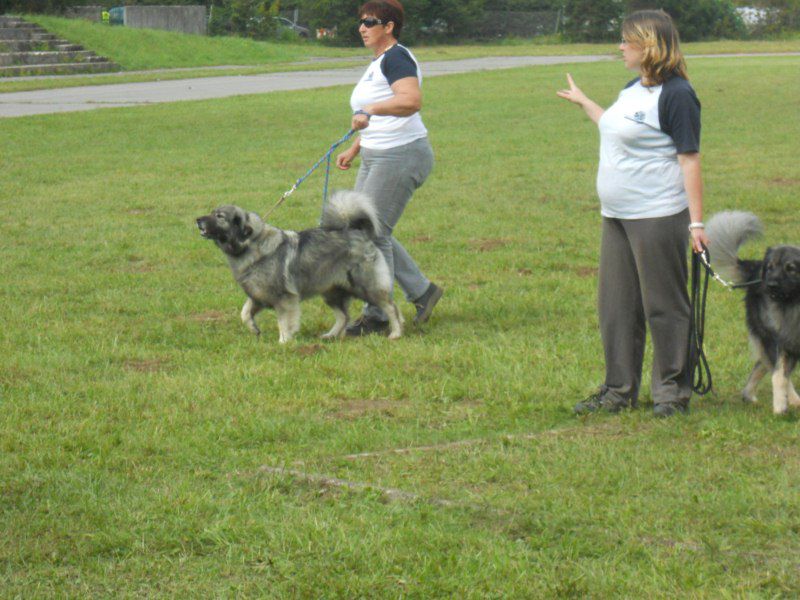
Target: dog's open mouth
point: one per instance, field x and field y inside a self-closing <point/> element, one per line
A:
<point x="202" y="225"/>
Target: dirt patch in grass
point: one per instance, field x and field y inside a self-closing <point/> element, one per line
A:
<point x="309" y="350"/>
<point x="421" y="239"/>
<point x="209" y="316"/>
<point x="352" y="409"/>
<point x="12" y="375"/>
<point x="784" y="181"/>
<point x="487" y="245"/>
<point x="585" y="271"/>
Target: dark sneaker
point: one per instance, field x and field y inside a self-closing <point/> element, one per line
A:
<point x="601" y="401"/>
<point x="667" y="409"/>
<point x="426" y="302"/>
<point x="364" y="325"/>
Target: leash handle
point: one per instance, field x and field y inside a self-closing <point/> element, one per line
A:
<point x="698" y="370"/>
<point x="325" y="157"/>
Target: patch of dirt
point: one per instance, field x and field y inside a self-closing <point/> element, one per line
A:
<point x="309" y="350"/>
<point x="353" y="409"/>
<point x="586" y="271"/>
<point x="137" y="264"/>
<point x="784" y="181"/>
<point x="422" y="239"/>
<point x="524" y="272"/>
<point x="209" y="316"/>
<point x="487" y="245"/>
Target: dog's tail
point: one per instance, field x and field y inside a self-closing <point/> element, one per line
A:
<point x="726" y="232"/>
<point x="351" y="210"/>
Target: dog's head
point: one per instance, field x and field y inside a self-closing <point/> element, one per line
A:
<point x="231" y="227"/>
<point x="781" y="274"/>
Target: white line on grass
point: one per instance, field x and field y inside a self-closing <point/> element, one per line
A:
<point x="473" y="442"/>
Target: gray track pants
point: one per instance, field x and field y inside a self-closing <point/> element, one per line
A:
<point x="390" y="177"/>
<point x="643" y="277"/>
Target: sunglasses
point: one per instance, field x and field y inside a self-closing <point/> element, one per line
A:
<point x="370" y="23"/>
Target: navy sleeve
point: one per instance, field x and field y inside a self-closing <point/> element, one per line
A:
<point x="679" y="115"/>
<point x="398" y="64"/>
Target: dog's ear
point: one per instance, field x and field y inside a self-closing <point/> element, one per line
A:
<point x="247" y="230"/>
<point x="767" y="258"/>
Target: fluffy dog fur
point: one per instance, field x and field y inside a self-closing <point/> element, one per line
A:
<point x="772" y="304"/>
<point x="277" y="269"/>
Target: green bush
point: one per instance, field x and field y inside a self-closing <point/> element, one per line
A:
<point x="600" y="20"/>
<point x="425" y="20"/>
<point x="247" y="18"/>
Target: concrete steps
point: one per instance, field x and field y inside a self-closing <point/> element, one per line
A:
<point x="27" y="49"/>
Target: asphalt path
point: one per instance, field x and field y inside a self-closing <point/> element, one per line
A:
<point x="20" y="104"/>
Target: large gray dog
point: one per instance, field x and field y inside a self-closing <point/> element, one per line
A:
<point x="277" y="269"/>
<point x="772" y="302"/>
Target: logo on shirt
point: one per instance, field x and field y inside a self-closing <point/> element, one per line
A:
<point x="638" y="116"/>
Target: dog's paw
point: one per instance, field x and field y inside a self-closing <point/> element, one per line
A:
<point x="748" y="397"/>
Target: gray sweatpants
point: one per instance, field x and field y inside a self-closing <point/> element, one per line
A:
<point x="643" y="277"/>
<point x="390" y="177"/>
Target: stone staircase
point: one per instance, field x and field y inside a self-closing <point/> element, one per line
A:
<point x="27" y="49"/>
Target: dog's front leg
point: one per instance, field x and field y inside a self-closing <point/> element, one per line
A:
<point x="249" y="311"/>
<point x="781" y="384"/>
<point x="794" y="399"/>
<point x="756" y="375"/>
<point x="288" y="318"/>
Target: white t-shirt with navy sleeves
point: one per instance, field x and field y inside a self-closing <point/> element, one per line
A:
<point x="641" y="135"/>
<point x="376" y="86"/>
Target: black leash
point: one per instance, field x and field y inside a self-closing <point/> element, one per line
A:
<point x="697" y="364"/>
<point x="699" y="372"/>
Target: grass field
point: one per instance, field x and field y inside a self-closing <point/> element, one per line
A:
<point x="150" y="446"/>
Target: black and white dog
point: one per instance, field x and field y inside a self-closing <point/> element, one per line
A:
<point x="772" y="302"/>
<point x="277" y="269"/>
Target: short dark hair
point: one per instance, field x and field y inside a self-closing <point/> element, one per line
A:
<point x="385" y="10"/>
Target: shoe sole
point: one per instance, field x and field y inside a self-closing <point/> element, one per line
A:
<point x="426" y="314"/>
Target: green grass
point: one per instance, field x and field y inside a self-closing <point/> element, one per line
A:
<point x="136" y="410"/>
<point x="155" y="49"/>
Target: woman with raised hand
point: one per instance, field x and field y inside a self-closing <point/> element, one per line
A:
<point x="396" y="156"/>
<point x="651" y="196"/>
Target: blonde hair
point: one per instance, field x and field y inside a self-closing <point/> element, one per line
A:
<point x="654" y="32"/>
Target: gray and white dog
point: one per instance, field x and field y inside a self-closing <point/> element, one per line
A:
<point x="772" y="302"/>
<point x="278" y="269"/>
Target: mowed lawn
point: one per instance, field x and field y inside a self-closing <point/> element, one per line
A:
<point x="151" y="447"/>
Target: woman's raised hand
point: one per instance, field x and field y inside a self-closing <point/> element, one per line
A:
<point x="574" y="93"/>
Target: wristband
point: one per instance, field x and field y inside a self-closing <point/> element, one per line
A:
<point x="697" y="225"/>
<point x="361" y="111"/>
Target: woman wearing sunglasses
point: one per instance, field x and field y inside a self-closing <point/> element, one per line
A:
<point x="396" y="156"/>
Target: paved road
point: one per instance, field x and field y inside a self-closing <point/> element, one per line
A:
<point x="18" y="104"/>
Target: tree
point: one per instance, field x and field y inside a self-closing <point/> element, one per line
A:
<point x="698" y="19"/>
<point x="593" y="20"/>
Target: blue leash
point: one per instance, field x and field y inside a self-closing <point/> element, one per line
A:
<point x="326" y="156"/>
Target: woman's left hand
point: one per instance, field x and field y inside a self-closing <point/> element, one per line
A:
<point x="699" y="239"/>
<point x="360" y="121"/>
